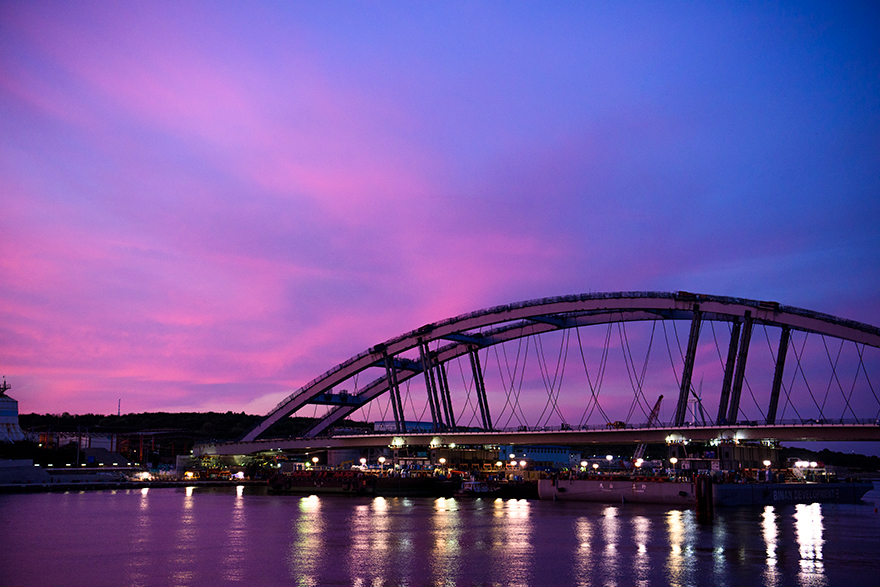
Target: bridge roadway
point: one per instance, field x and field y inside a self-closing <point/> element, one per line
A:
<point x="798" y="432"/>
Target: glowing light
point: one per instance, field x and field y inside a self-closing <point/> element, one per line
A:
<point x="767" y="463"/>
<point x="609" y="458"/>
<point x="584" y="463"/>
<point x="673" y="460"/>
<point x="595" y="465"/>
<point x="522" y="463"/>
<point x="639" y="462"/>
<point x="442" y="461"/>
<point x="499" y="464"/>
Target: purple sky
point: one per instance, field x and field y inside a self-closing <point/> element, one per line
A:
<point x="204" y="206"/>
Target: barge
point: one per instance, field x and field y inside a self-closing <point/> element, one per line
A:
<point x="701" y="491"/>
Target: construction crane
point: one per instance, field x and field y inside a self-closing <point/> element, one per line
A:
<point x="652" y="420"/>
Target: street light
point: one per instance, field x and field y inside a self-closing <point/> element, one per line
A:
<point x="382" y="462"/>
<point x="314" y="461"/>
<point x="442" y="462"/>
<point x="596" y="467"/>
<point x="767" y="463"/>
<point x="522" y="464"/>
<point x="674" y="460"/>
<point x="584" y="464"/>
<point x="363" y="462"/>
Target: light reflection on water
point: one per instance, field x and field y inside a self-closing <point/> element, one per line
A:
<point x="446" y="533"/>
<point x="137" y="571"/>
<point x="609" y="525"/>
<point x="236" y="536"/>
<point x="236" y="540"/>
<point x="808" y="524"/>
<point x="641" y="561"/>
<point x="584" y="555"/>
<point x="681" y="529"/>
<point x="183" y="560"/>
<point x="306" y="548"/>
<point x="770" y="529"/>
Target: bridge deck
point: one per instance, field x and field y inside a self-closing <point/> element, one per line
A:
<point x="781" y="432"/>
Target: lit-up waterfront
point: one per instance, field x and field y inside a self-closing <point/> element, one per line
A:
<point x="241" y="535"/>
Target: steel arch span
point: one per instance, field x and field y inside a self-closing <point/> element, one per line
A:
<point x="426" y="353"/>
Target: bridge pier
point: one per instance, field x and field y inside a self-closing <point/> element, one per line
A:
<point x="431" y="386"/>
<point x="777" y="375"/>
<point x="728" y="373"/>
<point x="437" y="385"/>
<point x="688" y="371"/>
<point x="445" y="395"/>
<point x="480" y="386"/>
<point x="394" y="390"/>
<point x="736" y="392"/>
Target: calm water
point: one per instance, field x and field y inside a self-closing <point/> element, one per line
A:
<point x="243" y="536"/>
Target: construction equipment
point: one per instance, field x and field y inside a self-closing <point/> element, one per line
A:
<point x="652" y="420"/>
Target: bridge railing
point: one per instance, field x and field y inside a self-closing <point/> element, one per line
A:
<point x="623" y="426"/>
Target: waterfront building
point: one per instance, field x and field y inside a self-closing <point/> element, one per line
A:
<point x="10" y="430"/>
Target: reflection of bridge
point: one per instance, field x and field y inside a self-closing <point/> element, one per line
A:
<point x="812" y="381"/>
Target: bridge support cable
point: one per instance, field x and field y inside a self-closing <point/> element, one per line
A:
<point x="794" y="376"/>
<point x="430" y="386"/>
<point x="394" y="391"/>
<point x="729" y="367"/>
<point x="669" y="352"/>
<point x="593" y="402"/>
<point x="688" y="370"/>
<point x="835" y="377"/>
<point x="861" y="351"/>
<point x="777" y="374"/>
<point x="551" y="386"/>
<point x="511" y="392"/>
<point x="800" y="369"/>
<point x="480" y="385"/>
<point x="637" y="382"/>
<point x="739" y="375"/>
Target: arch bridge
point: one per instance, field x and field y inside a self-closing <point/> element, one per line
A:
<point x="586" y="369"/>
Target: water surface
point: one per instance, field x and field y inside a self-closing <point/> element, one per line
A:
<point x="225" y="536"/>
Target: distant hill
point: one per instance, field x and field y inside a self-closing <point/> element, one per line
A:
<point x="202" y="425"/>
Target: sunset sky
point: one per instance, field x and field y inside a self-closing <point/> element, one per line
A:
<point x="203" y="206"/>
